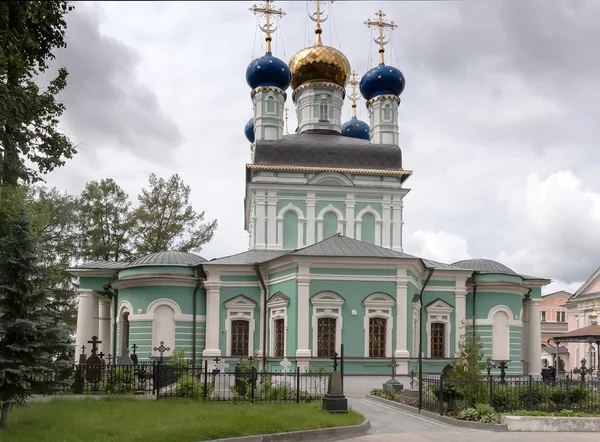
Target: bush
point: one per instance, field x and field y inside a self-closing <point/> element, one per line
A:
<point x="377" y="392"/>
<point x="186" y="387"/>
<point x="481" y="412"/>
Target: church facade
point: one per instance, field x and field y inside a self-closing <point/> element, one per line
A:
<point x="325" y="265"/>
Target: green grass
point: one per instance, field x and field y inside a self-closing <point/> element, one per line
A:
<point x="116" y="419"/>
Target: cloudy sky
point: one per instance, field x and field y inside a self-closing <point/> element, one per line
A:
<point x="499" y="119"/>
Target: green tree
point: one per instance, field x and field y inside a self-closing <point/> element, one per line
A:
<point x="165" y="220"/>
<point x="31" y="333"/>
<point x="30" y="142"/>
<point x="105" y="222"/>
<point x="468" y="366"/>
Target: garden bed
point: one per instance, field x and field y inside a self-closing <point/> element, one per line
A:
<point x="120" y="419"/>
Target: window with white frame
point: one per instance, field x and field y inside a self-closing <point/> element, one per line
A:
<point x="323" y="111"/>
<point x="438" y="312"/>
<point x="561" y="316"/>
<point x="277" y="306"/>
<point x="543" y="316"/>
<point x="270" y="105"/>
<point x="378" y="325"/>
<point x="239" y="326"/>
<point x="326" y="323"/>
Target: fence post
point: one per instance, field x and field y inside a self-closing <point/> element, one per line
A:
<point x="441" y="395"/>
<point x="157" y="378"/>
<point x="491" y="391"/>
<point x="568" y="393"/>
<point x="297" y="385"/>
<point x="205" y="392"/>
<point x="530" y="399"/>
<point x="252" y="374"/>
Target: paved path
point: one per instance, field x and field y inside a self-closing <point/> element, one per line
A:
<point x="391" y="425"/>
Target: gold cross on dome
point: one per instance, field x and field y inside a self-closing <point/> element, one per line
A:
<point x="353" y="83"/>
<point x="318" y="18"/>
<point x="381" y="24"/>
<point x="268" y="27"/>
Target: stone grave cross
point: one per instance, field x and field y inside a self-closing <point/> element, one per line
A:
<point x="161" y="349"/>
<point x="134" y="347"/>
<point x="94" y="343"/>
<point x="222" y="365"/>
<point x="285" y="364"/>
<point x="335" y="360"/>
<point x="393" y="365"/>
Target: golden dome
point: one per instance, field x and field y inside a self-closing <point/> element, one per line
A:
<point x="319" y="63"/>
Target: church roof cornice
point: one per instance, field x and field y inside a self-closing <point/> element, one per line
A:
<point x="328" y="169"/>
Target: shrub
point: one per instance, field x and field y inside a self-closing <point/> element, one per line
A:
<point x="468" y="414"/>
<point x="377" y="392"/>
<point x="481" y="412"/>
<point x="578" y="394"/>
<point x="505" y="399"/>
<point x="186" y="387"/>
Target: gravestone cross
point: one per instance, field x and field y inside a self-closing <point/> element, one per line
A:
<point x="101" y="354"/>
<point x="285" y="363"/>
<point x="134" y="347"/>
<point x="503" y="365"/>
<point x="109" y="357"/>
<point x="83" y="349"/>
<point x="222" y="365"/>
<point x="161" y="349"/>
<point x="335" y="361"/>
<point x="82" y="356"/>
<point x="94" y="343"/>
<point x="393" y="365"/>
<point x="489" y="366"/>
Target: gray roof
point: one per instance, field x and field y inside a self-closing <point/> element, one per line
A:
<point x="101" y="265"/>
<point x="326" y="150"/>
<point x="339" y="245"/>
<point x="440" y="265"/>
<point x="249" y="257"/>
<point x="170" y="258"/>
<point x="484" y="266"/>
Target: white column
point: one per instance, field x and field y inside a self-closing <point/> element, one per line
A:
<point x="272" y="220"/>
<point x="213" y="297"/>
<point x="350" y="215"/>
<point x="401" y="325"/>
<point x="397" y="223"/>
<point x="460" y="313"/>
<point x="303" y="350"/>
<point x="535" y="338"/>
<point x="87" y="322"/>
<point x="385" y="237"/>
<point x="260" y="220"/>
<point x="310" y="218"/>
<point x="104" y="325"/>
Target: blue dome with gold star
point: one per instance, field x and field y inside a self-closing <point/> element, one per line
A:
<point x="268" y="71"/>
<point x="249" y="130"/>
<point x="382" y="80"/>
<point x="356" y="128"/>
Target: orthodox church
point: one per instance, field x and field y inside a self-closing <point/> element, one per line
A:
<point x="325" y="265"/>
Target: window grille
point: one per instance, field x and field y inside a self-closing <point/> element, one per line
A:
<point x="279" y="338"/>
<point x="438" y="335"/>
<point x="326" y="337"/>
<point x="377" y="335"/>
<point x="239" y="338"/>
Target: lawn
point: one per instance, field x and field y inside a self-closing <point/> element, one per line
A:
<point x="161" y="421"/>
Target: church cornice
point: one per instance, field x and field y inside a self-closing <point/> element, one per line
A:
<point x="283" y="167"/>
<point x="317" y="83"/>
<point x="268" y="88"/>
<point x="383" y="97"/>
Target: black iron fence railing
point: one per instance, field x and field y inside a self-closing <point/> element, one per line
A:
<point x="511" y="393"/>
<point x="185" y="381"/>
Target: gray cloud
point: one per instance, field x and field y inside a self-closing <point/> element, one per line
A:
<point x="106" y="104"/>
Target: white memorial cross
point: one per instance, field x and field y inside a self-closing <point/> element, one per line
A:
<point x="222" y="366"/>
<point x="285" y="363"/>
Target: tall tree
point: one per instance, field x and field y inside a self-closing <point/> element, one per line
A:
<point x="105" y="221"/>
<point x="165" y="220"/>
<point x="31" y="333"/>
<point x="30" y="142"/>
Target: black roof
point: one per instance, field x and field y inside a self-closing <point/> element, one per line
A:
<point x="327" y="150"/>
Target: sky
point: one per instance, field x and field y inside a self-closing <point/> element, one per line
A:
<point x="499" y="121"/>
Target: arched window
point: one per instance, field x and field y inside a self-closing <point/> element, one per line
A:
<point x="290" y="230"/>
<point x="270" y="105"/>
<point x="279" y="337"/>
<point x="240" y="337"/>
<point x="124" y="333"/>
<point x="326" y="330"/>
<point x="387" y="113"/>
<point x="330" y="225"/>
<point x="377" y="337"/>
<point x="438" y="340"/>
<point x="367" y="228"/>
<point x="323" y="111"/>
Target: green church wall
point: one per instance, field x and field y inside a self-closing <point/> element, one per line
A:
<point x="411" y="274"/>
<point x="333" y="196"/>
<point x="184" y="337"/>
<point x="282" y="273"/>
<point x="486" y="301"/>
<point x="156" y="269"/>
<point x="281" y="203"/>
<point x="366" y="272"/>
<point x="290" y="289"/>
<point x="94" y="283"/>
<point x="320" y="205"/>
<point x="536" y="293"/>
<point x="142" y="297"/>
<point x="411" y="291"/>
<point x="238" y="278"/>
<point x="354" y="293"/>
<point x="291" y="194"/>
<point x="358" y="196"/>
<point x="433" y="283"/>
<point x="429" y="297"/>
<point x="360" y="205"/>
<point x="499" y="277"/>
<point x="290" y="230"/>
<point x="227" y="293"/>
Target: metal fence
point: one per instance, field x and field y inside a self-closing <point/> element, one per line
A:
<point x="163" y="380"/>
<point x="511" y="393"/>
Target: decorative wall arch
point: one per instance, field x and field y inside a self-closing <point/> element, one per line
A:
<point x="240" y="308"/>
<point x="290" y="206"/>
<point x="379" y="305"/>
<point x="378" y="222"/>
<point x="501" y="317"/>
<point x="124" y="306"/>
<point x="124" y="311"/>
<point x="321" y="215"/>
<point x="163" y="301"/>
<point x="500" y="308"/>
<point x="331" y="176"/>
<point x="330" y="303"/>
<point x="301" y="222"/>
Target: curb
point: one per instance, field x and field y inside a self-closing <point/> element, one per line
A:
<point x="444" y="419"/>
<point x="293" y="436"/>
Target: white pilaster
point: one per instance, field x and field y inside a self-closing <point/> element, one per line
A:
<point x="303" y="350"/>
<point x="460" y="312"/>
<point x="350" y="203"/>
<point x="397" y="223"/>
<point x="87" y="320"/>
<point x="104" y="325"/>
<point x="272" y="221"/>
<point x="401" y="325"/>
<point x="213" y="305"/>
<point x="535" y="338"/>
<point x="385" y="236"/>
<point x="260" y="220"/>
<point x="310" y="218"/>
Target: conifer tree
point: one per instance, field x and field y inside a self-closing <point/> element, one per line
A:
<point x="31" y="332"/>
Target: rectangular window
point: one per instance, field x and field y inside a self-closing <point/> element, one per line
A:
<point x="377" y="335"/>
<point x="279" y="338"/>
<point x="561" y="316"/>
<point x="239" y="338"/>
<point x="326" y="337"/>
<point x="438" y="335"/>
<point x="543" y="316"/>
